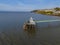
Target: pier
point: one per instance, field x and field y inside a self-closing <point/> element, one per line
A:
<point x="31" y="24"/>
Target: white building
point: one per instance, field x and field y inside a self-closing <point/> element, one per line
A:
<point x="46" y="10"/>
<point x="57" y="12"/>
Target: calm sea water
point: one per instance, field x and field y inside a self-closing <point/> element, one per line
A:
<point x="12" y="33"/>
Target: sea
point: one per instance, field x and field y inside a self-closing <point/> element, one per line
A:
<point x="12" y="32"/>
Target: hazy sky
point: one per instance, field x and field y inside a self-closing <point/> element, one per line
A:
<point x="27" y="5"/>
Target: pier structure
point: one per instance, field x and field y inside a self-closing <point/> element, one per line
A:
<point x="30" y="24"/>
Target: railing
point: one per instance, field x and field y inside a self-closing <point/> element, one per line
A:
<point x="46" y="21"/>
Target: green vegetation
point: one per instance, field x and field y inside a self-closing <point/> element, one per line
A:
<point x="43" y="12"/>
<point x="54" y="11"/>
<point x="57" y="9"/>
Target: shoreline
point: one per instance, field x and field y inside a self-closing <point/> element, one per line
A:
<point x="52" y="12"/>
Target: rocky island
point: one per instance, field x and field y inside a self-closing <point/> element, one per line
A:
<point x="53" y="12"/>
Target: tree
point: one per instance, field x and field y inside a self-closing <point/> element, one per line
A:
<point x="57" y="9"/>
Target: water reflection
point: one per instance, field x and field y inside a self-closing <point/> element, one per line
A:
<point x="30" y="32"/>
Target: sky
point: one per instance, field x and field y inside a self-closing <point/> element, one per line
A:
<point x="27" y="5"/>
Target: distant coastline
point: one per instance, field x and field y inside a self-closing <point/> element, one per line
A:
<point x="53" y="12"/>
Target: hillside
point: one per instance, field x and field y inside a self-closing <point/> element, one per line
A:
<point x="54" y="11"/>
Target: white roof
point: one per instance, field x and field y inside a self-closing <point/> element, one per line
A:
<point x="31" y="21"/>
